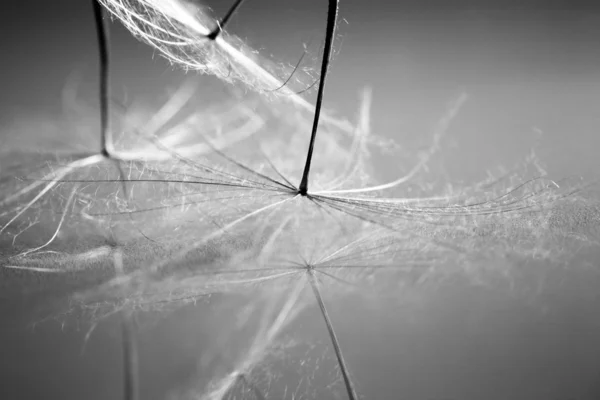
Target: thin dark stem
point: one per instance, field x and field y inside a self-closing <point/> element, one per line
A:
<point x="128" y="337"/>
<point x="130" y="359"/>
<point x="336" y="344"/>
<point x="130" y="356"/>
<point x="329" y="35"/>
<point x="289" y="78"/>
<point x="103" y="43"/>
<point x="221" y="24"/>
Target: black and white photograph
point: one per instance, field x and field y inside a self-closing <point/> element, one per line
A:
<point x="300" y="200"/>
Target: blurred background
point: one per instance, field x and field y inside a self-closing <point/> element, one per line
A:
<point x="528" y="66"/>
<point x="524" y="64"/>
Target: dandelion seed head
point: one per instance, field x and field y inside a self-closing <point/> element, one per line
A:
<point x="203" y="207"/>
<point x="180" y="31"/>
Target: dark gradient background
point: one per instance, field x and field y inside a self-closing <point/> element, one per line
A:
<point x="525" y="65"/>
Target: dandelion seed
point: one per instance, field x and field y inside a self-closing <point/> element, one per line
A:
<point x="180" y="211"/>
